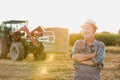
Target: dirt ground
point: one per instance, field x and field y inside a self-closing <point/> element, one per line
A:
<point x="55" y="67"/>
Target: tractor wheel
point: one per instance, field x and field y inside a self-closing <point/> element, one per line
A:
<point x="4" y="49"/>
<point x="25" y="54"/>
<point x="25" y="48"/>
<point x="17" y="51"/>
<point x="40" y="54"/>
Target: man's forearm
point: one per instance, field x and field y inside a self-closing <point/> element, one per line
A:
<point x="83" y="57"/>
<point x="88" y="62"/>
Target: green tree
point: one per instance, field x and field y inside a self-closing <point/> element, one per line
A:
<point x="107" y="38"/>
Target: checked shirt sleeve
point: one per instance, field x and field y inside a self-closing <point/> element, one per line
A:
<point x="75" y="48"/>
<point x="100" y="54"/>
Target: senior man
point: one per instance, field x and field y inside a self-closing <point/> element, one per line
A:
<point x="88" y="54"/>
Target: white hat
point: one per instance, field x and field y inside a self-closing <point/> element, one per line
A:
<point x="90" y="22"/>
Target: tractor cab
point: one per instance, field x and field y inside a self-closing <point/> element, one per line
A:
<point x="11" y="26"/>
<point x="14" y="25"/>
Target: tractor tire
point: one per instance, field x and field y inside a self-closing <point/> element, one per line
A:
<point x="25" y="44"/>
<point x="17" y="51"/>
<point x="40" y="54"/>
<point x="4" y="49"/>
<point x="25" y="54"/>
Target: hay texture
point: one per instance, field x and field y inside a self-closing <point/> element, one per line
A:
<point x="61" y="40"/>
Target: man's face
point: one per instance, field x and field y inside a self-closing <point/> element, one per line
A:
<point x="88" y="31"/>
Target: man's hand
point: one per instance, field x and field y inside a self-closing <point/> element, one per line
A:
<point x="83" y="57"/>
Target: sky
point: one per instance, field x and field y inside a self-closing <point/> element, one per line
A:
<point x="70" y="14"/>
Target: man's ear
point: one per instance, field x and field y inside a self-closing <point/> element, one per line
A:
<point x="94" y="30"/>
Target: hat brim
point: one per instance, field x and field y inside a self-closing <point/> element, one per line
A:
<point x="89" y="24"/>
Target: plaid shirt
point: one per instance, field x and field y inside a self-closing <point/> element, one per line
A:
<point x="97" y="47"/>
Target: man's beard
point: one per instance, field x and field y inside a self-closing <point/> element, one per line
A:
<point x="88" y="36"/>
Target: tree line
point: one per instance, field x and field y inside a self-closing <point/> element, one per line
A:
<point x="109" y="39"/>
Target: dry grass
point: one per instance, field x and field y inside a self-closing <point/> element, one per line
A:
<point x="113" y="49"/>
<point x="55" y="67"/>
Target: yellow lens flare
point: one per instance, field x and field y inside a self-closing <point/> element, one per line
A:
<point x="42" y="70"/>
<point x="50" y="58"/>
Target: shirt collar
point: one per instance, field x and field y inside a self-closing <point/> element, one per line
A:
<point x="84" y="42"/>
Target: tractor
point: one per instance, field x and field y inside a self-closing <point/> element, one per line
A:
<point x="17" y="40"/>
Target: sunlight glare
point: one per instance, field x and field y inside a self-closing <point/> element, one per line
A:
<point x="42" y="70"/>
<point x="50" y="58"/>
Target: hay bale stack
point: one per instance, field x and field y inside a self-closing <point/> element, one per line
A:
<point x="61" y="40"/>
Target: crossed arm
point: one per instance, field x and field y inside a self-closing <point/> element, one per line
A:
<point x="91" y="59"/>
<point x="85" y="59"/>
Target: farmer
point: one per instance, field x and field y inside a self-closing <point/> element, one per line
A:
<point x="88" y="54"/>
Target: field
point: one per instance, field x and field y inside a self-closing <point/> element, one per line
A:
<point x="57" y="66"/>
